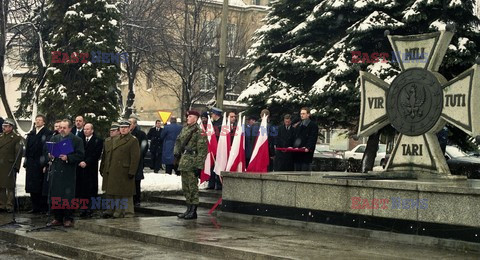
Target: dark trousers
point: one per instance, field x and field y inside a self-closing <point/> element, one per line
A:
<point x="39" y="202"/>
<point x="214" y="182"/>
<point x="63" y="214"/>
<point x="138" y="193"/>
<point x="283" y="161"/>
<point x="169" y="168"/>
<point x="303" y="167"/>
<point x="156" y="159"/>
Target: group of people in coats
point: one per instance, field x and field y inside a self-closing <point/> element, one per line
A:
<point x="75" y="175"/>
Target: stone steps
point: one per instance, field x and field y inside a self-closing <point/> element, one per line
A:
<point x="230" y="238"/>
<point x="205" y="201"/>
<point x="77" y="243"/>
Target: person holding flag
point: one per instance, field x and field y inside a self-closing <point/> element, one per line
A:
<point x="207" y="128"/>
<point x="236" y="159"/>
<point x="260" y="155"/>
<point x="223" y="150"/>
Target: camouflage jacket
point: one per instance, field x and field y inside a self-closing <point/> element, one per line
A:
<point x="195" y="152"/>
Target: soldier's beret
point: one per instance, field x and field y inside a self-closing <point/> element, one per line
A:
<point x="124" y="123"/>
<point x="193" y="112"/>
<point x="217" y="111"/>
<point x="114" y="126"/>
<point x="9" y="121"/>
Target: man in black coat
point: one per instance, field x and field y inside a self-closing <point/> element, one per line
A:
<point x="78" y="129"/>
<point x="35" y="161"/>
<point x="143" y="142"/>
<point x="154" y="135"/>
<point x="87" y="170"/>
<point x="306" y="134"/>
<point x="286" y="134"/>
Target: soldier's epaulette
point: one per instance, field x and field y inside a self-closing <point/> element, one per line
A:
<point x="134" y="136"/>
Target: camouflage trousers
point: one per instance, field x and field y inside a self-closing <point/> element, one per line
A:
<point x="190" y="187"/>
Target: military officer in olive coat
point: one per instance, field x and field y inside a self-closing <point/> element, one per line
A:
<point x="191" y="147"/>
<point x="122" y="167"/>
<point x="62" y="175"/>
<point x="10" y="158"/>
<point x="107" y="153"/>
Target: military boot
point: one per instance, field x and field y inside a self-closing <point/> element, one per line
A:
<point x="192" y="214"/>
<point x="189" y="207"/>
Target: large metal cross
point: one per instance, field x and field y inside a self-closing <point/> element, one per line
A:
<point x="419" y="102"/>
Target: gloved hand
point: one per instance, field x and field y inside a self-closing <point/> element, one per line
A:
<point x="197" y="173"/>
<point x="131" y="176"/>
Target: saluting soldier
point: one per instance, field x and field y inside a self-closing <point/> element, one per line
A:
<point x="191" y="145"/>
<point x="10" y="158"/>
<point x="107" y="154"/>
<point x="122" y="167"/>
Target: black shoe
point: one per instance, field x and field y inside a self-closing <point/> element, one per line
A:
<point x="33" y="211"/>
<point x="218" y="188"/>
<point x="9" y="210"/>
<point x="189" y="207"/>
<point x="193" y="213"/>
<point x="155" y="171"/>
<point x="210" y="188"/>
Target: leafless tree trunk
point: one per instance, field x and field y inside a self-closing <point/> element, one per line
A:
<point x="16" y="18"/>
<point x="141" y="21"/>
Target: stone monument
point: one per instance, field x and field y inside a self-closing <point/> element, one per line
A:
<point x="419" y="102"/>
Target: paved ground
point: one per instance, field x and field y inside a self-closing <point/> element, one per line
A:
<point x="9" y="251"/>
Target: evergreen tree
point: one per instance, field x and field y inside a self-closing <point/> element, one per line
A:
<point x="75" y="87"/>
<point x="303" y="57"/>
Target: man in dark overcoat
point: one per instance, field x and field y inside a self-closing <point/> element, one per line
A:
<point x="35" y="161"/>
<point x="286" y="133"/>
<point x="154" y="135"/>
<point x="306" y="135"/>
<point x="11" y="146"/>
<point x="169" y="135"/>
<point x="122" y="168"/>
<point x="87" y="170"/>
<point x="62" y="176"/>
<point x="143" y="144"/>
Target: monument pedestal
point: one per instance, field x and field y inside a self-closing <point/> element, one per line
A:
<point x="442" y="207"/>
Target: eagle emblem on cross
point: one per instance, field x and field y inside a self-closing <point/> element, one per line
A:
<point x="419" y="102"/>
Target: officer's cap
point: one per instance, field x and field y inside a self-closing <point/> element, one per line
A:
<point x="114" y="126"/>
<point x="124" y="123"/>
<point x="217" y="111"/>
<point x="9" y="121"/>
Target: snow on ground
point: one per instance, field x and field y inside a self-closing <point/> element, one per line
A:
<point x="152" y="182"/>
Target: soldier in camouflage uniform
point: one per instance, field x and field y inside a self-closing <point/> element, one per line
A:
<point x="10" y="158"/>
<point x="191" y="148"/>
